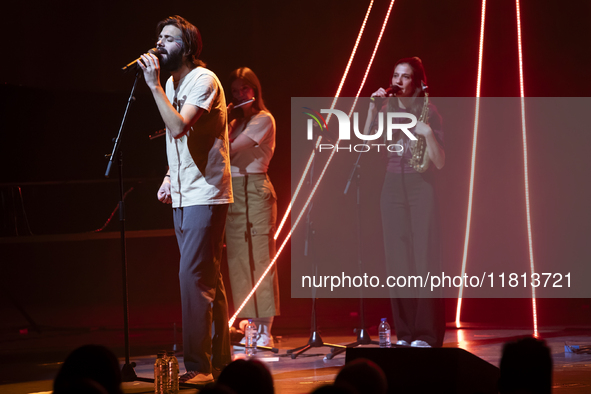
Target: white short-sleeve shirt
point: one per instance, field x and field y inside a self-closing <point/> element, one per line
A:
<point x="199" y="161"/>
<point x="256" y="159"/>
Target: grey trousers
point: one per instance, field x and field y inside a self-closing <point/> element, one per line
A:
<point x="200" y="233"/>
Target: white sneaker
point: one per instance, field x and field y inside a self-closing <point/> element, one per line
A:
<point x="402" y="342"/>
<point x="193" y="377"/>
<point x="419" y="343"/>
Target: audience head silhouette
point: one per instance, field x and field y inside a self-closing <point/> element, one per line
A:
<point x="362" y="376"/>
<point x="526" y="368"/>
<point x="247" y="377"/>
<point x="89" y="369"/>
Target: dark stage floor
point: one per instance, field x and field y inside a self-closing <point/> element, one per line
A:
<point x="30" y="360"/>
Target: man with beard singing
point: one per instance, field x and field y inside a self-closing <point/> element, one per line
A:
<point x="199" y="187"/>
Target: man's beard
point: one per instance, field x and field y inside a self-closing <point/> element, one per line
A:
<point x="173" y="61"/>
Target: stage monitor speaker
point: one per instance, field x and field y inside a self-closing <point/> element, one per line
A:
<point x="441" y="370"/>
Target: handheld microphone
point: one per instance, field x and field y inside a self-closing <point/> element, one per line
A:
<point x="392" y="90"/>
<point x="134" y="66"/>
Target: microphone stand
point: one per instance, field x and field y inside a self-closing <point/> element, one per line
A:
<point x="127" y="372"/>
<point x="363" y="337"/>
<point x="315" y="339"/>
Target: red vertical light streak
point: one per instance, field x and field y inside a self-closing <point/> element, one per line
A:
<point x="525" y="169"/>
<point x="472" y="162"/>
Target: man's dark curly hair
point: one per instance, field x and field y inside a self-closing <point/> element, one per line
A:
<point x="192" y="44"/>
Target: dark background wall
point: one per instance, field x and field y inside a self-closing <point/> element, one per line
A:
<point x="63" y="96"/>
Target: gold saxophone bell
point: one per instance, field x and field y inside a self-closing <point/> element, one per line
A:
<point x="420" y="157"/>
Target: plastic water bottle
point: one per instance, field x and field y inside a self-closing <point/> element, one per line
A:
<point x="251" y="333"/>
<point x="173" y="372"/>
<point x="161" y="374"/>
<point x="384" y="333"/>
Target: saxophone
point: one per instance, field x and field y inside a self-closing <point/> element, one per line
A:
<point x="420" y="157"/>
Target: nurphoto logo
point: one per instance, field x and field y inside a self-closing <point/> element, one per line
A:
<point x="344" y="134"/>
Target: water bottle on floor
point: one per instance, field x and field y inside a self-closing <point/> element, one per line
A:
<point x="161" y="374"/>
<point x="384" y="333"/>
<point x="251" y="333"/>
<point x="173" y="372"/>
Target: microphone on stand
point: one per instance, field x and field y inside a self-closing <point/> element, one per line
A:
<point x="134" y="66"/>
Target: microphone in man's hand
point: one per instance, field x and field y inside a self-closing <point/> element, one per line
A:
<point x="134" y="66"/>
